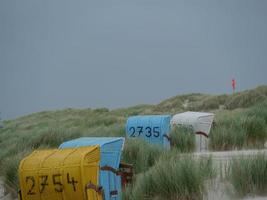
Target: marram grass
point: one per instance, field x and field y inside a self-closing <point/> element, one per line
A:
<point x="248" y="175"/>
<point x="172" y="178"/>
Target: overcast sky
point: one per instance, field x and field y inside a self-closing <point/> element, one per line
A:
<point x="71" y="53"/>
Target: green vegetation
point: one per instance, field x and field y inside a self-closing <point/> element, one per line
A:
<point x="244" y="127"/>
<point x="247" y="98"/>
<point x="249" y="175"/>
<point x="141" y="154"/>
<point x="48" y="130"/>
<point x="172" y="177"/>
<point x="183" y="139"/>
<point x="228" y="134"/>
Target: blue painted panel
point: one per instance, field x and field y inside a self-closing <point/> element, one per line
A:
<point x="151" y="128"/>
<point x="110" y="149"/>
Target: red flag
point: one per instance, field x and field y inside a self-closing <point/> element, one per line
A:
<point x="233" y="84"/>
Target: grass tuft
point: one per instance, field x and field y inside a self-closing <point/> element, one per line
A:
<point x="141" y="154"/>
<point x="182" y="139"/>
<point x="249" y="175"/>
<point x="237" y="130"/>
<point x="228" y="134"/>
<point x="9" y="168"/>
<point x="175" y="178"/>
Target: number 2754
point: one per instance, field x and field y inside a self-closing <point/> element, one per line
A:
<point x="43" y="181"/>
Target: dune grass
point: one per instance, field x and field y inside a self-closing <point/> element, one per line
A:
<point x="247" y="98"/>
<point x="255" y="123"/>
<point x="235" y="128"/>
<point x="182" y="139"/>
<point x="141" y="154"/>
<point x="172" y="177"/>
<point x="249" y="175"/>
<point x="228" y="134"/>
<point x="241" y="129"/>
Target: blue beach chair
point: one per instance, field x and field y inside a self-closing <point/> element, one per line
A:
<point x="152" y="128"/>
<point x="110" y="152"/>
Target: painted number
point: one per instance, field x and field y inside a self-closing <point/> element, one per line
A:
<point x="139" y="130"/>
<point x="43" y="183"/>
<point x="132" y="130"/>
<point x="57" y="183"/>
<point x="149" y="131"/>
<point x="43" y="180"/>
<point x="156" y="131"/>
<point x="32" y="184"/>
<point x="72" y="181"/>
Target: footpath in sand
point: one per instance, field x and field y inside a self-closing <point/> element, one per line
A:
<point x="221" y="159"/>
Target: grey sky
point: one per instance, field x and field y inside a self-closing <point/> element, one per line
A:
<point x="63" y="53"/>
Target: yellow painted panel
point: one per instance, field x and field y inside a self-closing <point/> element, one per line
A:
<point x="60" y="174"/>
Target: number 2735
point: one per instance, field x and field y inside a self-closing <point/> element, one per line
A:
<point x="148" y="131"/>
